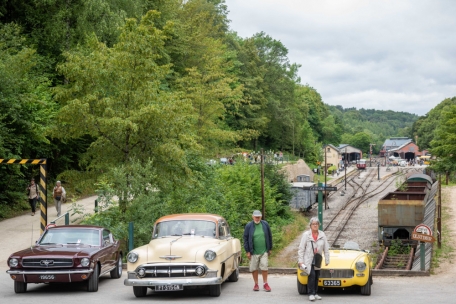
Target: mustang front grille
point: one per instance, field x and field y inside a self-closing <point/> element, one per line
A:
<point x="336" y="273"/>
<point x="47" y="263"/>
<point x="171" y="271"/>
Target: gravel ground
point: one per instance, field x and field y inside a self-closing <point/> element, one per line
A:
<point x="362" y="226"/>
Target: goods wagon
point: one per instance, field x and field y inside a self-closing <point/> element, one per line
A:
<point x="302" y="199"/>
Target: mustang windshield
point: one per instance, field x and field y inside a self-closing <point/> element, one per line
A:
<point x="71" y="236"/>
<point x="189" y="227"/>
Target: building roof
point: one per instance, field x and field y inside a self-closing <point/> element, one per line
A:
<point x="350" y="149"/>
<point x="395" y="142"/>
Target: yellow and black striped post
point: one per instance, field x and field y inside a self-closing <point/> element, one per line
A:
<point x="42" y="184"/>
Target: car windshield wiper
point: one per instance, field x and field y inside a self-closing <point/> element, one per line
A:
<point x="47" y="244"/>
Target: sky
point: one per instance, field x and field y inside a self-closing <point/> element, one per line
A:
<point x="397" y="55"/>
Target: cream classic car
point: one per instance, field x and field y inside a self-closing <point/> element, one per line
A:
<point x="185" y="250"/>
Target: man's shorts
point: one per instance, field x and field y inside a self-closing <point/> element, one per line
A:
<point x="259" y="262"/>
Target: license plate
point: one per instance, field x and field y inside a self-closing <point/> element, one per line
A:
<point x="46" y="277"/>
<point x="331" y="282"/>
<point x="171" y="287"/>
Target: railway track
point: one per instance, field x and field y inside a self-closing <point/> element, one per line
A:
<point x="360" y="193"/>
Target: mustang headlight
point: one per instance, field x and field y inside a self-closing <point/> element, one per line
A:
<point x="360" y="266"/>
<point x="210" y="255"/>
<point x="85" y="262"/>
<point x="132" y="257"/>
<point x="13" y="262"/>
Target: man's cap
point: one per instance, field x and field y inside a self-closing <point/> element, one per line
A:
<point x="256" y="213"/>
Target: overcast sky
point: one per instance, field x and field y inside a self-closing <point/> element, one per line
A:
<point x="395" y="55"/>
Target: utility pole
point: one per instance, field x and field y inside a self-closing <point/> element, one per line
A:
<point x="262" y="185"/>
<point x="326" y="168"/>
<point x="345" y="167"/>
<point x="370" y="153"/>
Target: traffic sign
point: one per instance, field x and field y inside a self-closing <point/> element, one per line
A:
<point x="318" y="188"/>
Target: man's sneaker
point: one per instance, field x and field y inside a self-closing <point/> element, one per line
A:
<point x="311" y="298"/>
<point x="256" y="287"/>
<point x="317" y="297"/>
<point x="266" y="287"/>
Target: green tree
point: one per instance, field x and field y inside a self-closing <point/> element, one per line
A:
<point x="444" y="143"/>
<point x="115" y="95"/>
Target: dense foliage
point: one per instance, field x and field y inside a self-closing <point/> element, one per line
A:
<point x="138" y="94"/>
<point x="364" y="127"/>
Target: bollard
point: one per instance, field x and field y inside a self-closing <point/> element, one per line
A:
<point x="67" y="219"/>
<point x="130" y="236"/>
<point x="96" y="206"/>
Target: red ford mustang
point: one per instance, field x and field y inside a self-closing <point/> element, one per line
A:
<point x="67" y="254"/>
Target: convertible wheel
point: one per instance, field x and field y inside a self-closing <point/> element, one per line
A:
<point x="215" y="290"/>
<point x="234" y="277"/>
<point x="92" y="283"/>
<point x="20" y="287"/>
<point x="117" y="272"/>
<point x="139" y="291"/>
<point x="302" y="289"/>
<point x="366" y="289"/>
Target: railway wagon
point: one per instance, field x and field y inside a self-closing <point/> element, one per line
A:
<point x="302" y="199"/>
<point x="361" y="164"/>
<point x="398" y="214"/>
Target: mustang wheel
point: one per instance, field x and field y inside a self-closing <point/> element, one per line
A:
<point x="20" y="287"/>
<point x="139" y="291"/>
<point x="92" y="283"/>
<point x="117" y="272"/>
<point x="302" y="289"/>
<point x="215" y="290"/>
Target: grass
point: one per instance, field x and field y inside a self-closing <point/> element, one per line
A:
<point x="446" y="252"/>
<point x="289" y="234"/>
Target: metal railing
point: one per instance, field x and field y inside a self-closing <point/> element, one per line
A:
<point x="67" y="219"/>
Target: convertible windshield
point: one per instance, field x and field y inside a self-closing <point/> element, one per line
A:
<point x="71" y="236"/>
<point x="179" y="228"/>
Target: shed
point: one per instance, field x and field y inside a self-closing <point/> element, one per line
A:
<point x="303" y="178"/>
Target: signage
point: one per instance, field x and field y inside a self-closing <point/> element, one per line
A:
<point x="422" y="233"/>
<point x="423" y="229"/>
<point x="422" y="237"/>
<point x="316" y="188"/>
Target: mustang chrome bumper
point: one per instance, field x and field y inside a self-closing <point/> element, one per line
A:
<point x="194" y="281"/>
<point x="47" y="271"/>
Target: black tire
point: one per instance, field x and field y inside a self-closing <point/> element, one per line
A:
<point x="20" y="287"/>
<point x="215" y="290"/>
<point x="117" y="272"/>
<point x="302" y="289"/>
<point x="234" y="277"/>
<point x="139" y="291"/>
<point x="366" y="289"/>
<point x="92" y="283"/>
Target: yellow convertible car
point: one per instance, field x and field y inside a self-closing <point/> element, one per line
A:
<point x="186" y="250"/>
<point x="349" y="267"/>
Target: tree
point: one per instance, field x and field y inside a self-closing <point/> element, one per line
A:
<point x="444" y="143"/>
<point x="361" y="141"/>
<point x="116" y="96"/>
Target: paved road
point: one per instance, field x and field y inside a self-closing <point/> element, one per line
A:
<point x="22" y="231"/>
<point x="385" y="290"/>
